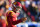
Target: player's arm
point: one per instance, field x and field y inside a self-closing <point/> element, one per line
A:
<point x="19" y="21"/>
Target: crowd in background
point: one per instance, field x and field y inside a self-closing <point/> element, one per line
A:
<point x="30" y="9"/>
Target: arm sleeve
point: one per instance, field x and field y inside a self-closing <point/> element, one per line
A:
<point x="16" y="22"/>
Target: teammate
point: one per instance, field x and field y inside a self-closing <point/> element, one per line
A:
<point x="12" y="17"/>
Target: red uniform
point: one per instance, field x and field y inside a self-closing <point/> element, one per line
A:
<point x="12" y="19"/>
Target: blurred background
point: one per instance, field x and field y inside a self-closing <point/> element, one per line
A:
<point x="30" y="9"/>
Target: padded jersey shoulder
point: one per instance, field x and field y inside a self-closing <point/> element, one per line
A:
<point x="10" y="13"/>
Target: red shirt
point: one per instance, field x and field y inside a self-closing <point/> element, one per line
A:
<point x="12" y="19"/>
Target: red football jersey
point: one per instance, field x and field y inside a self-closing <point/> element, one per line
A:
<point x="12" y="19"/>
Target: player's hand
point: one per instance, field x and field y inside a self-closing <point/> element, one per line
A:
<point x="24" y="19"/>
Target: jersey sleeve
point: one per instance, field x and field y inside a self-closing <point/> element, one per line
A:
<point x="8" y="17"/>
<point x="16" y="22"/>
